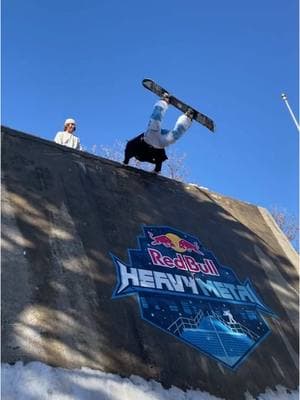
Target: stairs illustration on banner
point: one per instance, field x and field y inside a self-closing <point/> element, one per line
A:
<point x="228" y="342"/>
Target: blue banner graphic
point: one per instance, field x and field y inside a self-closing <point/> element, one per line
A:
<point x="184" y="290"/>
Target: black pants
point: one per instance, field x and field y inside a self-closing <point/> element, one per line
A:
<point x="142" y="151"/>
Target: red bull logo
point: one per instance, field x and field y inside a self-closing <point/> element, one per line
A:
<point x="170" y="240"/>
<point x="183" y="262"/>
<point x="183" y="259"/>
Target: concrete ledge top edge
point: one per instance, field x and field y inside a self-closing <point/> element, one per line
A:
<point x="130" y="169"/>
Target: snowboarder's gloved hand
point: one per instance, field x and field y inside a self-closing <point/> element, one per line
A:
<point x="157" y="168"/>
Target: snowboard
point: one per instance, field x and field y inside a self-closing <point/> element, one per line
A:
<point x="198" y="116"/>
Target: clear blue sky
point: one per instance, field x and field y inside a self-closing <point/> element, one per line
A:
<point x="230" y="59"/>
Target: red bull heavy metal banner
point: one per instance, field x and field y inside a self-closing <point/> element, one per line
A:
<point x="183" y="290"/>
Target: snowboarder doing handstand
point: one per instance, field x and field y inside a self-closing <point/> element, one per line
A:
<point x="150" y="146"/>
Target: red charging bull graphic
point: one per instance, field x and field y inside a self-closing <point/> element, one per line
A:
<point x="184" y="290"/>
<point x="188" y="246"/>
<point x="161" y="239"/>
<point x="171" y="240"/>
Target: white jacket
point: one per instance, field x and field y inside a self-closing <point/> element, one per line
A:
<point x="68" y="139"/>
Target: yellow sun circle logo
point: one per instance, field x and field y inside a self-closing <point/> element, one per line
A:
<point x="175" y="240"/>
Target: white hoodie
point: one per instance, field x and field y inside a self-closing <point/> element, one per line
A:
<point x="68" y="139"/>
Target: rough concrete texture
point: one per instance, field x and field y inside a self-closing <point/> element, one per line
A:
<point x="64" y="211"/>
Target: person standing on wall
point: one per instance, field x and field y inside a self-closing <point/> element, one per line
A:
<point x="67" y="137"/>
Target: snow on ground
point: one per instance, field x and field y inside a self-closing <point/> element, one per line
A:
<point x="37" y="381"/>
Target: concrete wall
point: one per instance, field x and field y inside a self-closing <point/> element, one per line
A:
<point x="64" y="211"/>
